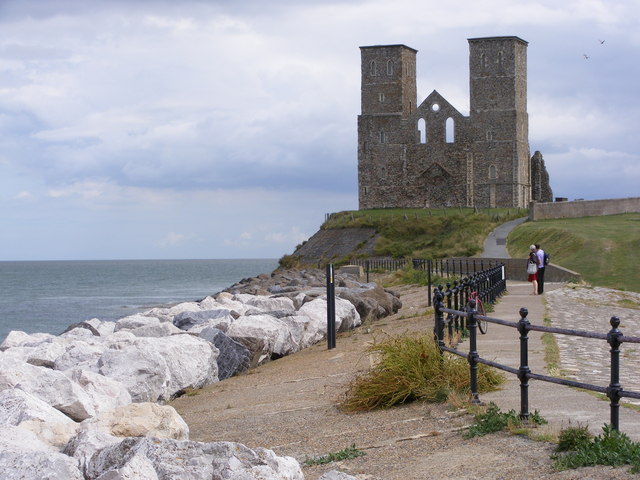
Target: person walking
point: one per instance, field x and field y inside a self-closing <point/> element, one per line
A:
<point x="541" y="267"/>
<point x="532" y="269"/>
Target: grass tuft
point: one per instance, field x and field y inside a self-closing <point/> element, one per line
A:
<point x="493" y="420"/>
<point x="345" y="454"/>
<point x="611" y="448"/>
<point x="412" y="368"/>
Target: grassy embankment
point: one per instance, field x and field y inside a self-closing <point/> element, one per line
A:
<point x="602" y="249"/>
<point x="426" y="233"/>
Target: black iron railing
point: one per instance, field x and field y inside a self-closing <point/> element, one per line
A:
<point x="467" y="271"/>
<point x="614" y="337"/>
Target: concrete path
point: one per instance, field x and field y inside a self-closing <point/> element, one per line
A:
<point x="495" y="245"/>
<point x="558" y="404"/>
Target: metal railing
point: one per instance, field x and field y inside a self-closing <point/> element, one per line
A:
<point x="614" y="391"/>
<point x="467" y="271"/>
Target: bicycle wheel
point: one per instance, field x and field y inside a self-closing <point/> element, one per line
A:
<point x="483" y="325"/>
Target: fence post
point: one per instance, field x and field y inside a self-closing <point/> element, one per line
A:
<point x="456" y="292"/>
<point x="473" y="354"/>
<point x="448" y="293"/>
<point x="439" y="317"/>
<point x="524" y="371"/>
<point x="614" y="388"/>
<point x="429" y="282"/>
<point x="331" y="308"/>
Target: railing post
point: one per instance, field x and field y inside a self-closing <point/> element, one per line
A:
<point x="331" y="308"/>
<point x="614" y="389"/>
<point x="439" y="317"/>
<point x="448" y="294"/>
<point x="456" y="293"/>
<point x="367" y="267"/>
<point x="473" y="354"/>
<point x="524" y="370"/>
<point x="429" y="282"/>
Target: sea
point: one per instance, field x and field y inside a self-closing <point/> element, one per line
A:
<point x="48" y="296"/>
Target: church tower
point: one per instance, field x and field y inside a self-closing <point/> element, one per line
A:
<point x="498" y="89"/>
<point x="388" y="98"/>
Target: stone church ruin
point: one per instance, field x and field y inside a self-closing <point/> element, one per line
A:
<point x="431" y="155"/>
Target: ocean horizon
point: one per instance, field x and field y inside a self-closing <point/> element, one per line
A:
<point x="49" y="295"/>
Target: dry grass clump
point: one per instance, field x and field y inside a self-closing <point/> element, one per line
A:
<point x="412" y="368"/>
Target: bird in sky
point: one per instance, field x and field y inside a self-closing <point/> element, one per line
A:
<point x="601" y="41"/>
<point x="586" y="57"/>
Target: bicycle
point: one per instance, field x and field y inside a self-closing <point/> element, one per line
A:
<point x="483" y="325"/>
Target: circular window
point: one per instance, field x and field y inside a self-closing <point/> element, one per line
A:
<point x="435" y="107"/>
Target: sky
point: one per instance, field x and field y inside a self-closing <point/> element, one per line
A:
<point x="153" y="129"/>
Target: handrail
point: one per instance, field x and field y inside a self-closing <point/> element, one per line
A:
<point x="614" y="337"/>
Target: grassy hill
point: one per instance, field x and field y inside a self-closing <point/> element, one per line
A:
<point x="402" y="233"/>
<point x="604" y="249"/>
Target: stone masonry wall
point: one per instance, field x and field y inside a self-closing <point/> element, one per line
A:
<point x="583" y="208"/>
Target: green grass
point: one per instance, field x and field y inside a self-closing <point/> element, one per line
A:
<point x="601" y="249"/>
<point x="345" y="454"/>
<point x="426" y="233"/>
<point x="412" y="368"/>
<point x="493" y="420"/>
<point x="578" y="449"/>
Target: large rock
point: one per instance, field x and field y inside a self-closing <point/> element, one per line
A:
<point x="139" y="420"/>
<point x="17" y="406"/>
<point x="265" y="303"/>
<point x="219" y="318"/>
<point x="275" y="335"/>
<point x="107" y="393"/>
<point x="191" y="461"/>
<point x="156" y="369"/>
<point x="16" y="338"/>
<point x="233" y="358"/>
<point x="50" y="386"/>
<point x="371" y="300"/>
<point x="24" y="457"/>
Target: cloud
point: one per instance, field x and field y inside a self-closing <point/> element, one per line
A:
<point x="237" y="121"/>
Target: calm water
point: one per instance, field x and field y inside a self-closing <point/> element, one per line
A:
<point x="49" y="296"/>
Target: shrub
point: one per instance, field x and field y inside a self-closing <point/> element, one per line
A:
<point x="611" y="448"/>
<point x="412" y="368"/>
<point x="493" y="420"/>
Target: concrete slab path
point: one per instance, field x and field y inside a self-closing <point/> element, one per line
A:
<point x="495" y="245"/>
<point x="558" y="404"/>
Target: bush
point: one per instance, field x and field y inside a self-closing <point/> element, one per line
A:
<point x="493" y="420"/>
<point x="611" y="448"/>
<point x="412" y="368"/>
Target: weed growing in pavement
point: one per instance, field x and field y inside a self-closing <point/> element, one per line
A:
<point x="493" y="420"/>
<point x="611" y="447"/>
<point x="345" y="454"/>
<point x="412" y="368"/>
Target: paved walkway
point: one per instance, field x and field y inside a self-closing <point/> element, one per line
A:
<point x="558" y="404"/>
<point x="495" y="245"/>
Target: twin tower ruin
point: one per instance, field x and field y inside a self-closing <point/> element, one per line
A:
<point x="430" y="155"/>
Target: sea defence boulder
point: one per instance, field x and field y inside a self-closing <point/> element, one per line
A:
<point x="88" y="403"/>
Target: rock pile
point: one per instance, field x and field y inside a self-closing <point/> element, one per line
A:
<point x="87" y="404"/>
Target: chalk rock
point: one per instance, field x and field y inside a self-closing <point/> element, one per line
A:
<point x="192" y="460"/>
<point x="132" y="322"/>
<point x="219" y="318"/>
<point x="276" y="337"/>
<point x="233" y="358"/>
<point x="166" y="314"/>
<point x="55" y="434"/>
<point x="106" y="393"/>
<point x="17" y="406"/>
<point x="306" y="330"/>
<point x="265" y="303"/>
<point x="139" y="420"/>
<point x="50" y="386"/>
<point x="86" y="443"/>
<point x="161" y="329"/>
<point x="24" y="457"/>
<point x="157" y="368"/>
<point x="80" y="354"/>
<point x="16" y="338"/>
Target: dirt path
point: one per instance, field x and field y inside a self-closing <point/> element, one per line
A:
<point x="289" y="405"/>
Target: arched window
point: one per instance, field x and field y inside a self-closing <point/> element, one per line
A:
<point x="493" y="173"/>
<point x="373" y="69"/>
<point x="389" y="67"/>
<point x="450" y="130"/>
<point x="383" y="172"/>
<point x="382" y="136"/>
<point x="422" y="128"/>
<point x="500" y="57"/>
